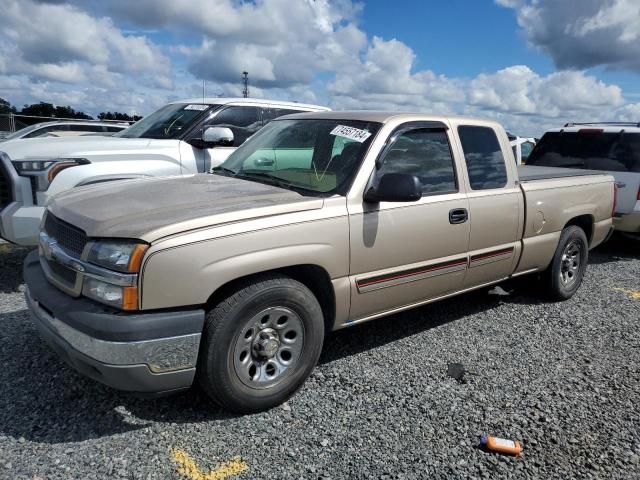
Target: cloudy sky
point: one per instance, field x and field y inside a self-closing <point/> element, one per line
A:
<point x="531" y="64"/>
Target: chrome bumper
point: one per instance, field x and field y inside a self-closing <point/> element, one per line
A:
<point x="159" y="355"/>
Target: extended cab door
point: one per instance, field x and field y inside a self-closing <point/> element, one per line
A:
<point x="405" y="253"/>
<point x="496" y="206"/>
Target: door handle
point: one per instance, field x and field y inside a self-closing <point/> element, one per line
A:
<point x="458" y="215"/>
<point x="621" y="184"/>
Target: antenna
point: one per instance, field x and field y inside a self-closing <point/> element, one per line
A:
<point x="245" y="81"/>
<point x="204" y="87"/>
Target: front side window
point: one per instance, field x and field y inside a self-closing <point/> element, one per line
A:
<point x="170" y="122"/>
<point x="314" y="156"/>
<point x="483" y="156"/>
<point x="591" y="149"/>
<point x="243" y="122"/>
<point x="424" y="153"/>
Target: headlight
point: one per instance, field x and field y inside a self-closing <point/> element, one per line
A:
<point x="46" y="170"/>
<point x="28" y="166"/>
<point x="115" y="289"/>
<point x="119" y="255"/>
<point x="125" y="298"/>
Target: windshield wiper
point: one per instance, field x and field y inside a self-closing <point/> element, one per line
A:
<point x="224" y="171"/>
<point x="269" y="179"/>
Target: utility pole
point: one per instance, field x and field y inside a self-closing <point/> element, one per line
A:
<point x="245" y="81"/>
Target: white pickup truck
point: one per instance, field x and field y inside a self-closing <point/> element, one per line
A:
<point x="174" y="140"/>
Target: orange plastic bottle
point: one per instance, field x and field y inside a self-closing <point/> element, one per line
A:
<point x="501" y="445"/>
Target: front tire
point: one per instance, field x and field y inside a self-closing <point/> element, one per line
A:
<point x="564" y="275"/>
<point x="260" y="344"/>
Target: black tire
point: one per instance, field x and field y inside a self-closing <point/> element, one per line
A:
<point x="563" y="278"/>
<point x="226" y="326"/>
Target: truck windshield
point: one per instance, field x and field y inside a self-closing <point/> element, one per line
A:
<point x="167" y="123"/>
<point x="591" y="149"/>
<point x="314" y="156"/>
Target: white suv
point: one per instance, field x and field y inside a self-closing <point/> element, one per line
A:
<point x="181" y="138"/>
<point x="610" y="147"/>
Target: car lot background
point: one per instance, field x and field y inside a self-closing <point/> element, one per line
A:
<point x="562" y="378"/>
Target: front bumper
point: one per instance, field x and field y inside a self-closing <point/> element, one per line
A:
<point x="137" y="352"/>
<point x="19" y="218"/>
<point x="20" y="224"/>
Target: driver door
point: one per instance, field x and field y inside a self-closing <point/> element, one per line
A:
<point x="407" y="252"/>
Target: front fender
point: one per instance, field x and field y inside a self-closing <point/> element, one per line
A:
<point x="189" y="274"/>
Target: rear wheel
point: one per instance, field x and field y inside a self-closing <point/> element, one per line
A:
<point x="260" y="344"/>
<point x="564" y="275"/>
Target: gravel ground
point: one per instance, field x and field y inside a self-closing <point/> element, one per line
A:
<point x="563" y="378"/>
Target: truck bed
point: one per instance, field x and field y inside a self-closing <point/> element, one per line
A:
<point x="530" y="173"/>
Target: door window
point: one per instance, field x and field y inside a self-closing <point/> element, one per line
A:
<point x="483" y="156"/>
<point x="269" y="114"/>
<point x="526" y="150"/>
<point x="425" y="153"/>
<point x="243" y="122"/>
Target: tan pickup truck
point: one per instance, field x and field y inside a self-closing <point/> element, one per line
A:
<point x="318" y="222"/>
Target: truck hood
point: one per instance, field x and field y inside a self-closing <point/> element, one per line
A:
<point x="152" y="208"/>
<point x="50" y="148"/>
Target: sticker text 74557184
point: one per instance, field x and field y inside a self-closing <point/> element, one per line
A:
<point x="351" y="133"/>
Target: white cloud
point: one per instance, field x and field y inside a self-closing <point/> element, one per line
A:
<point x="279" y="42"/>
<point x="518" y="89"/>
<point x="582" y="33"/>
<point x="384" y="79"/>
<point x="61" y="43"/>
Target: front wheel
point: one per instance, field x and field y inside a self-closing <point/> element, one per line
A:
<point x="260" y="344"/>
<point x="565" y="274"/>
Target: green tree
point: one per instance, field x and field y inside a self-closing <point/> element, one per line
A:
<point x="44" y="109"/>
<point x="6" y="107"/>
<point x="118" y="116"/>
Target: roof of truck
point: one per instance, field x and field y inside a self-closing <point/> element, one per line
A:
<point x="383" y="116"/>
<point x="252" y="101"/>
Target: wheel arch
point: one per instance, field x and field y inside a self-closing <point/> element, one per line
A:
<point x="585" y="222"/>
<point x="314" y="277"/>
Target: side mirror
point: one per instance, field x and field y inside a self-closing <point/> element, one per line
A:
<point x="218" y="136"/>
<point x="214" y="137"/>
<point x="395" y="187"/>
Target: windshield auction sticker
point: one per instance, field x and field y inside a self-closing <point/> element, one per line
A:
<point x="196" y="107"/>
<point x="351" y="133"/>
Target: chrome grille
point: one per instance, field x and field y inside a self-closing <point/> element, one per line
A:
<point x="68" y="237"/>
<point x="5" y="188"/>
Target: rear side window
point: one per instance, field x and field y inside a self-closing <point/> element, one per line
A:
<point x="483" y="156"/>
<point x="243" y="122"/>
<point x="591" y="150"/>
<point x="85" y="128"/>
<point x="269" y="114"/>
<point x="425" y="153"/>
